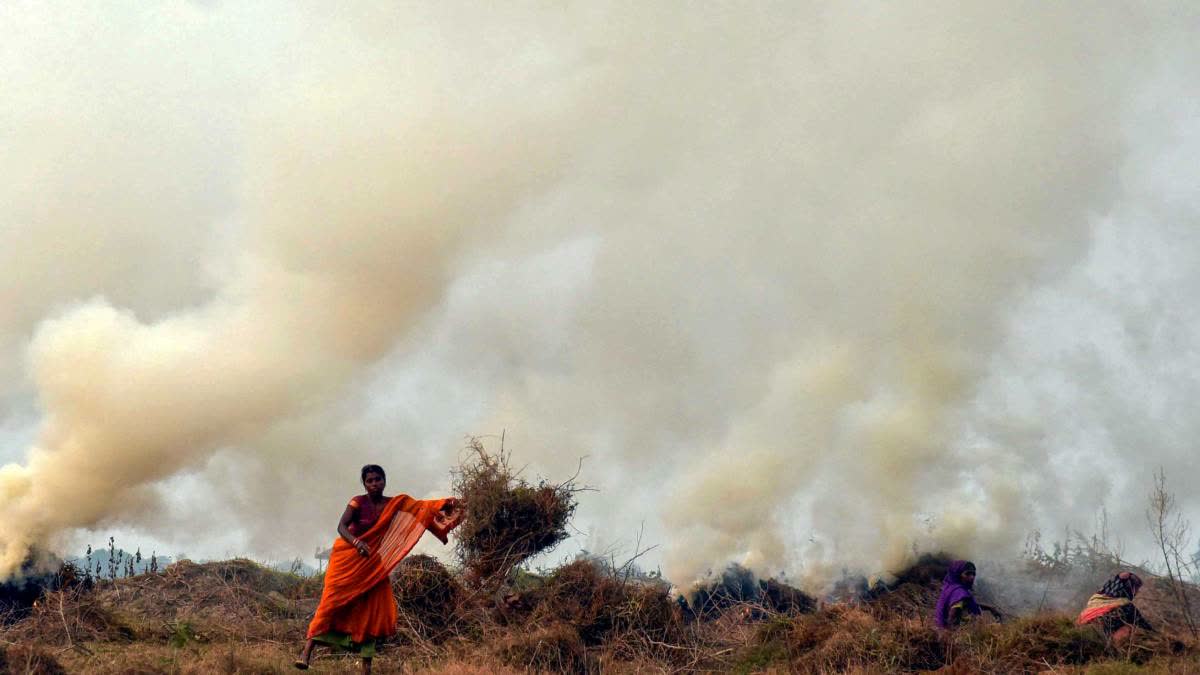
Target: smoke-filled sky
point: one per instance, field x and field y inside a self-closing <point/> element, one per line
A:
<point x="808" y="284"/>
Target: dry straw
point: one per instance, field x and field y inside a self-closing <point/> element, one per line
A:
<point x="508" y="520"/>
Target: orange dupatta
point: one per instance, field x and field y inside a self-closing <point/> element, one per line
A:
<point x="357" y="598"/>
<point x="1099" y="605"/>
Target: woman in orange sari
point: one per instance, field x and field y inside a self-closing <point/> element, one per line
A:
<point x="375" y="533"/>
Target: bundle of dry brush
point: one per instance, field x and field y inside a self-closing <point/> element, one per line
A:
<point x="508" y="520"/>
<point x="429" y="598"/>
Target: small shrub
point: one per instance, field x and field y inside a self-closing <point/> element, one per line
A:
<point x="181" y="633"/>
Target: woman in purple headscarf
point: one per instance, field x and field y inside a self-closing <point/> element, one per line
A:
<point x="957" y="603"/>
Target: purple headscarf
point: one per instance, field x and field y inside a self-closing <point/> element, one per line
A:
<point x="954" y="591"/>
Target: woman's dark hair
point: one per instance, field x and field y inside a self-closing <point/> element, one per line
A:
<point x="373" y="468"/>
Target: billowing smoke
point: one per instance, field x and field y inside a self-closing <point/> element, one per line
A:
<point x="346" y="210"/>
<point x="767" y="267"/>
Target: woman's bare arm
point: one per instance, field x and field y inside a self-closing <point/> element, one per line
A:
<point x="343" y="530"/>
<point x="994" y="612"/>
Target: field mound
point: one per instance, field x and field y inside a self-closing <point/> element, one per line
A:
<point x="913" y="590"/>
<point x="599" y="605"/>
<point x="844" y="637"/>
<point x="737" y="590"/>
<point x="187" y="602"/>
<point x="490" y="613"/>
<point x="928" y="570"/>
<point x="238" y="616"/>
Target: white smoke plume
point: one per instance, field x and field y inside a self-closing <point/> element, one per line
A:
<point x="347" y="211"/>
<point x="770" y="268"/>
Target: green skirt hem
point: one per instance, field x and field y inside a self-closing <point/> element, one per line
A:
<point x="342" y="640"/>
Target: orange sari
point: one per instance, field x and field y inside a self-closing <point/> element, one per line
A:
<point x="357" y="599"/>
<point x="1099" y="605"/>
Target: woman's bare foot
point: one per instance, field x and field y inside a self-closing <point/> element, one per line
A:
<point x="305" y="655"/>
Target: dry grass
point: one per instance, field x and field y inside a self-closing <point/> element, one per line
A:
<point x="213" y="617"/>
<point x="429" y="598"/>
<point x="238" y="617"/>
<point x="599" y="605"/>
<point x="555" y="647"/>
<point x="846" y="638"/>
<point x="31" y="660"/>
<point x="507" y="520"/>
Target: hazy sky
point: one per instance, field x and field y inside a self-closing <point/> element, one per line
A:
<point x="807" y="284"/>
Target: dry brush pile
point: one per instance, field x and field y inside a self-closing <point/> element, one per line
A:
<point x="508" y="520"/>
<point x="556" y="622"/>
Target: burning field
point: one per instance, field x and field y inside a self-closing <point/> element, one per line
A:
<point x="814" y="287"/>
<point x="489" y="613"/>
<point x="239" y="617"/>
